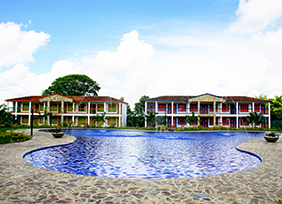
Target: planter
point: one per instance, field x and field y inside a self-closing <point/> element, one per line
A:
<point x="171" y="129"/>
<point x="58" y="134"/>
<point x="271" y="139"/>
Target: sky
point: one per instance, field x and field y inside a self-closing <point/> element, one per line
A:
<point x="149" y="47"/>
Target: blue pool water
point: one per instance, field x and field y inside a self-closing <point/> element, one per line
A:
<point x="146" y="155"/>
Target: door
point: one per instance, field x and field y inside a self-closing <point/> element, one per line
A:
<point x="204" y="122"/>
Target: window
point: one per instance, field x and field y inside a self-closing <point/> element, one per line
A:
<point x="81" y="108"/>
<point x="244" y="108"/>
<point x="182" y="107"/>
<point x="211" y="121"/>
<point x="112" y="108"/>
<point x="111" y="121"/>
<point x="225" y="107"/>
<point x="53" y="107"/>
<point x="161" y="107"/>
<point x="181" y="121"/>
<point x="193" y="108"/>
<point x="225" y="121"/>
<point x="257" y="108"/>
<point x="25" y="119"/>
<point x="25" y="107"/>
<point x="243" y="121"/>
<point x="100" y="107"/>
<point x="81" y="120"/>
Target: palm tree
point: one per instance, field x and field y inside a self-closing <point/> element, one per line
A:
<point x="255" y="119"/>
<point x="151" y="117"/>
<point x="97" y="118"/>
<point x="191" y="119"/>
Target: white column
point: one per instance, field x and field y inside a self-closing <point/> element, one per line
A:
<point x="48" y="110"/>
<point x="220" y="107"/>
<point x="146" y="113"/>
<point x="156" y="107"/>
<point x="253" y="107"/>
<point x="269" y="115"/>
<point x="199" y="112"/>
<point x="105" y="110"/>
<point x="237" y="115"/>
<point x="88" y="118"/>
<point x="16" y="109"/>
<point x="188" y="107"/>
<point x="172" y="110"/>
<point x="120" y="113"/>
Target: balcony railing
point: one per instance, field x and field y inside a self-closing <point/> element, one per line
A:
<point x="241" y="111"/>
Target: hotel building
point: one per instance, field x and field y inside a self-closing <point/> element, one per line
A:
<point x="227" y="111"/>
<point x="77" y="110"/>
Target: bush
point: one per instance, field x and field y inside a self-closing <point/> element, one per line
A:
<point x="11" y="137"/>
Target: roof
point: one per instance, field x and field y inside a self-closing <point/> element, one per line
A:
<point x="228" y="98"/>
<point x="74" y="98"/>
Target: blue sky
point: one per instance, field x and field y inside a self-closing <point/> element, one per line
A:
<point x="130" y="47"/>
<point x="90" y="26"/>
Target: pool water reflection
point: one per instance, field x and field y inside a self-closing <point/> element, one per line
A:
<point x="146" y="155"/>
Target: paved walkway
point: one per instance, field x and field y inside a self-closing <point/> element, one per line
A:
<point x="21" y="182"/>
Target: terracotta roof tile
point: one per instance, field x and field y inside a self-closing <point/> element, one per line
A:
<point x="75" y="98"/>
<point x="185" y="98"/>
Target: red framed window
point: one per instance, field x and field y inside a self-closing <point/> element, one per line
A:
<point x="257" y="108"/>
<point x="193" y="108"/>
<point x="243" y="121"/>
<point x="182" y="107"/>
<point x="211" y="108"/>
<point x="225" y="108"/>
<point x="225" y="121"/>
<point x="211" y="121"/>
<point x="244" y="108"/>
<point x="181" y="121"/>
<point x="161" y="107"/>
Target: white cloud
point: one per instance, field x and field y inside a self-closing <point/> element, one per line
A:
<point x="256" y="15"/>
<point x="17" y="46"/>
<point x="191" y="65"/>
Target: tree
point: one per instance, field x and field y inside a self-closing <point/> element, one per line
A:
<point x="99" y="118"/>
<point x="276" y="108"/>
<point x="140" y="106"/>
<point x="191" y="119"/>
<point x="255" y="119"/>
<point x="151" y="118"/>
<point x="136" y="118"/>
<point x="73" y="85"/>
<point x="6" y="118"/>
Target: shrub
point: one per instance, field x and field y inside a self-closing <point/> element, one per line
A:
<point x="11" y="137"/>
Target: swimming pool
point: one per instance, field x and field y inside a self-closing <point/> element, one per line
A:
<point x="147" y="155"/>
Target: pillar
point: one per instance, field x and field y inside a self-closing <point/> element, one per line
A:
<point x="237" y="115"/>
<point x="120" y="113"/>
<point x="62" y="113"/>
<point x="146" y="113"/>
<point x="88" y="112"/>
<point x="199" y="107"/>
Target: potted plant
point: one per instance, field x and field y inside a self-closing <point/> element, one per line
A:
<point x="271" y="136"/>
<point x="57" y="133"/>
<point x="171" y="129"/>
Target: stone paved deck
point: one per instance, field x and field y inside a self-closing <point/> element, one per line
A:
<point x="21" y="182"/>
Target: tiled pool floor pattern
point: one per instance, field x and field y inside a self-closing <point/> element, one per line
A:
<point x="147" y="155"/>
<point x="21" y="182"/>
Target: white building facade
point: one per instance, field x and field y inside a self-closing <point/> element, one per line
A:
<point x="228" y="111"/>
<point x="57" y="109"/>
